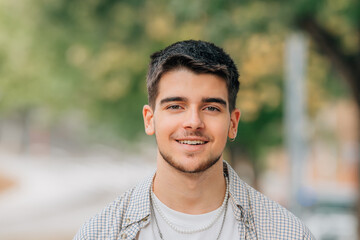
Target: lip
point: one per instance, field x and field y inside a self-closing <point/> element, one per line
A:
<point x="193" y="139"/>
<point x="192" y="148"/>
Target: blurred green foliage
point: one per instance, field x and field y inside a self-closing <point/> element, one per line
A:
<point x="93" y="55"/>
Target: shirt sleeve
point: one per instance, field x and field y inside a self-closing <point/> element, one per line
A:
<point x="105" y="224"/>
<point x="308" y="235"/>
<point x="81" y="234"/>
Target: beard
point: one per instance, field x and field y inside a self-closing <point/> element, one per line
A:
<point x="202" y="168"/>
<point x="205" y="165"/>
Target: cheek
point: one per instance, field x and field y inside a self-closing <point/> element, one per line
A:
<point x="221" y="124"/>
<point x="164" y="128"/>
<point x="219" y="130"/>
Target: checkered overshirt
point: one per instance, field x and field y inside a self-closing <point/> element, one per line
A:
<point x="258" y="216"/>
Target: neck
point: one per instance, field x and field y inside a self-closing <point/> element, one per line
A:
<point x="191" y="193"/>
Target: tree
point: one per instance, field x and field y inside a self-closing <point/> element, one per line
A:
<point x="93" y="56"/>
<point x="346" y="63"/>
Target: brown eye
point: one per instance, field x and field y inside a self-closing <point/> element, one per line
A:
<point x="174" y="107"/>
<point x="212" y="109"/>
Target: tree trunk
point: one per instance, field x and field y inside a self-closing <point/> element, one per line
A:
<point x="25" y="130"/>
<point x="348" y="67"/>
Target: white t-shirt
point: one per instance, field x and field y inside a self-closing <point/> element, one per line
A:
<point x="189" y="221"/>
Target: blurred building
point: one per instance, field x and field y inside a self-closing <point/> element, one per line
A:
<point x="330" y="182"/>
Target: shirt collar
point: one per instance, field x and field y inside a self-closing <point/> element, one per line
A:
<point x="239" y="195"/>
<point x="139" y="202"/>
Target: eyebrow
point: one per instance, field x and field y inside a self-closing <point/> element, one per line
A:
<point x="184" y="99"/>
<point x="173" y="99"/>
<point x="214" y="100"/>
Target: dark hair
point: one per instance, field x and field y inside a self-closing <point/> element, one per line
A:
<point x="197" y="56"/>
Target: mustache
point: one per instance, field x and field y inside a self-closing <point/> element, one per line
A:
<point x="186" y="134"/>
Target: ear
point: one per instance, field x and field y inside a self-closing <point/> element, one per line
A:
<point x="148" y="116"/>
<point x="234" y="121"/>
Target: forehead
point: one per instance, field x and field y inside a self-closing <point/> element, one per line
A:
<point x="185" y="83"/>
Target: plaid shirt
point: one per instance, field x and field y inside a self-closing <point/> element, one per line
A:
<point x="258" y="216"/>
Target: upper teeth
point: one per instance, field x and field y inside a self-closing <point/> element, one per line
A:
<point x="191" y="142"/>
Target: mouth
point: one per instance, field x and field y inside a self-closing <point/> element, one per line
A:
<point x="192" y="142"/>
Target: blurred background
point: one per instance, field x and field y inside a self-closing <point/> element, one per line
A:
<point x="72" y="87"/>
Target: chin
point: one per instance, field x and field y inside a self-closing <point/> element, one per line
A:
<point x="191" y="165"/>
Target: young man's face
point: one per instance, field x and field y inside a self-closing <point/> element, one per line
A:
<point x="191" y="120"/>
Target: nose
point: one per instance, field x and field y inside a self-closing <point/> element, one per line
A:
<point x="193" y="120"/>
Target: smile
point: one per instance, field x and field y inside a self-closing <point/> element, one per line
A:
<point x="191" y="142"/>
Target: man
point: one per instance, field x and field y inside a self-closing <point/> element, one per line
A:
<point x="194" y="194"/>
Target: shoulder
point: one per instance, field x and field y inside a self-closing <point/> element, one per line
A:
<point x="107" y="221"/>
<point x="268" y="219"/>
<point x="273" y="221"/>
<point x="122" y="214"/>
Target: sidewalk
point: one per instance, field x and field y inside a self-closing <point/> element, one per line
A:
<point x="52" y="197"/>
